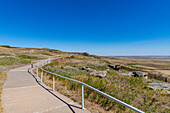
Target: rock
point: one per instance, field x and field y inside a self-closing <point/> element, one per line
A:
<point x="87" y="69"/>
<point x="140" y="74"/>
<point x="161" y="86"/>
<point x="115" y="67"/>
<point x="166" y="79"/>
<point x="135" y="73"/>
<point x="107" y="69"/>
<point x="127" y="74"/>
<point x="100" y="74"/>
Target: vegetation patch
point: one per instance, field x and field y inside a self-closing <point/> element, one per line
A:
<point x="132" y="64"/>
<point x="4" y="54"/>
<point x="45" y="53"/>
<point x="12" y="61"/>
<point x="131" y="90"/>
<point x="85" y="54"/>
<point x="27" y="57"/>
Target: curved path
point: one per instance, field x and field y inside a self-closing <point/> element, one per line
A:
<point x="23" y="93"/>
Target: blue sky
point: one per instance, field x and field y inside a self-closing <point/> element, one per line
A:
<point x="101" y="27"/>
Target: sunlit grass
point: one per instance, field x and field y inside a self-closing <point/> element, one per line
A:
<point x="3" y="77"/>
<point x="131" y="90"/>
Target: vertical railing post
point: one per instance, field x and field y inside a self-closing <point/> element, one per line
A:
<point x="31" y="67"/>
<point x="53" y="83"/>
<point x="82" y="96"/>
<point x="41" y="75"/>
<point x="37" y="71"/>
<point x="49" y="60"/>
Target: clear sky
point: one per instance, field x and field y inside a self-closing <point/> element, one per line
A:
<point x="101" y="27"/>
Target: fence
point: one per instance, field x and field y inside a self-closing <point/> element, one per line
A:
<point x="46" y="61"/>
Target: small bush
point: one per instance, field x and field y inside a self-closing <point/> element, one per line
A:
<point x="85" y="54"/>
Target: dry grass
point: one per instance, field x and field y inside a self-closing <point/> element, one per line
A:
<point x="150" y="65"/>
<point x="3" y="77"/>
<point x="131" y="90"/>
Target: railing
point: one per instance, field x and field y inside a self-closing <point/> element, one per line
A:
<point x="44" y="62"/>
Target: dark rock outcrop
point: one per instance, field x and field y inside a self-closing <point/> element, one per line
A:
<point x="115" y="67"/>
<point x="140" y="74"/>
<point x="87" y="69"/>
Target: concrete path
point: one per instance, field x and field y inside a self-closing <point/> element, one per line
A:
<point x="23" y="94"/>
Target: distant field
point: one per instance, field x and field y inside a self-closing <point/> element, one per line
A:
<point x="149" y="64"/>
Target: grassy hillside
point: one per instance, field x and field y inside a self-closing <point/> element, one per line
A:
<point x="131" y="90"/>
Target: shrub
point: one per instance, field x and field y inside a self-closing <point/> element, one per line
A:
<point x="85" y="54"/>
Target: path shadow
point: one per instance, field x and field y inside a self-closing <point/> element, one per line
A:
<point x="50" y="91"/>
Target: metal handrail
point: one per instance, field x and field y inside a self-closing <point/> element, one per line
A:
<point x="46" y="61"/>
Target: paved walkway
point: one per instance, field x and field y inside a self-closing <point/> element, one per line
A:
<point x="23" y="94"/>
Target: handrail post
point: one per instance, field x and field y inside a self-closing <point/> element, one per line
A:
<point x="82" y="96"/>
<point x="53" y="83"/>
<point x="31" y="67"/>
<point x="37" y="71"/>
<point x="49" y="60"/>
<point x="41" y="75"/>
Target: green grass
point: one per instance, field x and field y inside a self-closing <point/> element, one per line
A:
<point x="132" y="64"/>
<point x="4" y="54"/>
<point x="45" y="53"/>
<point x="12" y="61"/>
<point x="27" y="57"/>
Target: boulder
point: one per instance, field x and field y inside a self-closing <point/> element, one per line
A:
<point x="115" y="67"/>
<point x="100" y="74"/>
<point x="165" y="87"/>
<point x="140" y="74"/>
<point x="126" y="74"/>
<point x="87" y="69"/>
